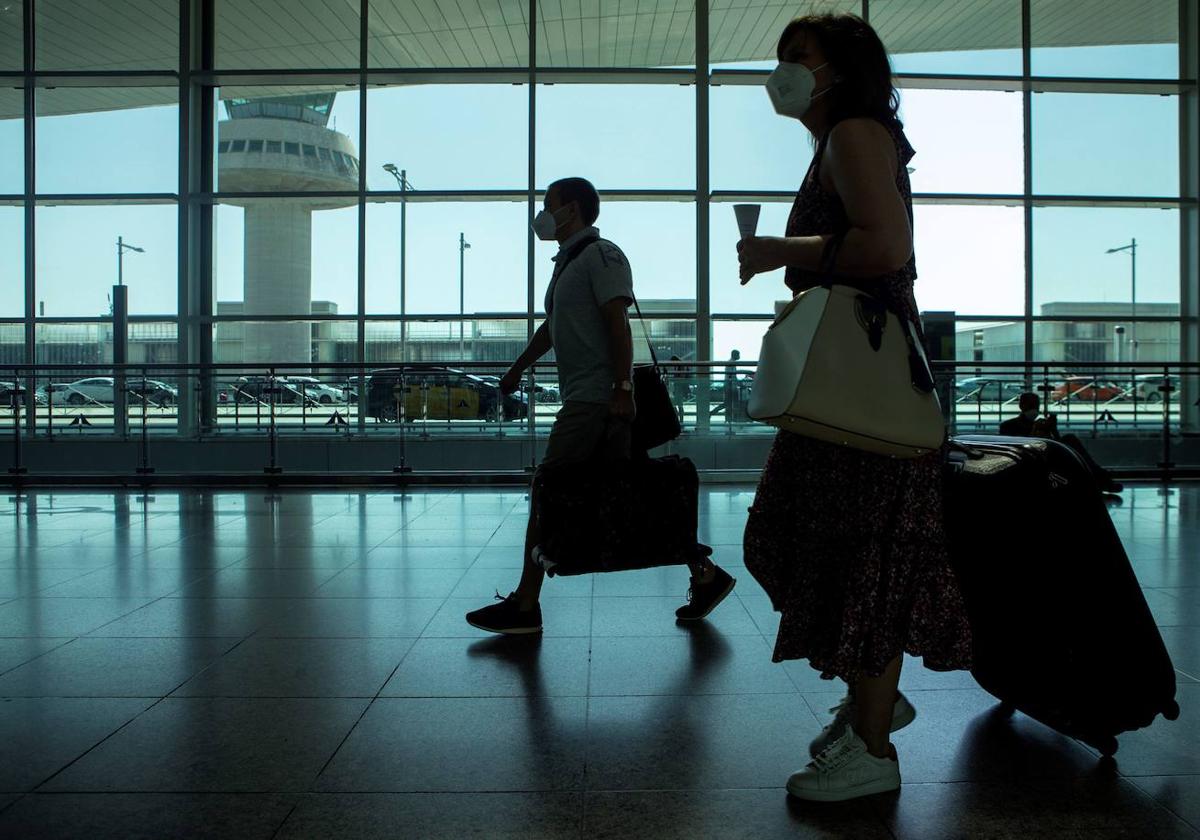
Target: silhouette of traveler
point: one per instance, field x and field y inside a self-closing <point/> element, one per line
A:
<point x="1028" y="424"/>
<point x="587" y="326"/>
<point x="733" y="395"/>
<point x="850" y="545"/>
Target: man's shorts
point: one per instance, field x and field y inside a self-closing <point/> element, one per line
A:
<point x="585" y="430"/>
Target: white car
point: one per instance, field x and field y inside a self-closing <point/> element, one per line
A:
<point x="315" y="390"/>
<point x="98" y="390"/>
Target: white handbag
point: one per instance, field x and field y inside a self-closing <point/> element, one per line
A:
<point x="838" y="366"/>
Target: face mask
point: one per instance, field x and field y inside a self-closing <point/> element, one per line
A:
<point x="545" y="225"/>
<point x="790" y="87"/>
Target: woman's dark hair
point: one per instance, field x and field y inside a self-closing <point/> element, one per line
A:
<point x="581" y="191"/>
<point x="861" y="70"/>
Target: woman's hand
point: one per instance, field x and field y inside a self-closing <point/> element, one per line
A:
<point x="758" y="254"/>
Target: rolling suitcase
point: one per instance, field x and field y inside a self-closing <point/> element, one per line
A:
<point x="1061" y="629"/>
<point x="613" y="517"/>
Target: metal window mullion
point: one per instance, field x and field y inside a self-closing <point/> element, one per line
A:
<point x="1027" y="167"/>
<point x="1189" y="216"/>
<point x="30" y="184"/>
<point x="186" y="325"/>
<point x="531" y="175"/>
<point x="361" y="337"/>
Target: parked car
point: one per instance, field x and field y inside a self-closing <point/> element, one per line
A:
<point x="99" y="390"/>
<point x="987" y="389"/>
<point x="290" y="390"/>
<point x="1147" y="386"/>
<point x="440" y="394"/>
<point x="1088" y="389"/>
<point x="314" y="389"/>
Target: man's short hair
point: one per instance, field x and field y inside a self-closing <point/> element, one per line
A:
<point x="581" y="191"/>
<point x="1029" y="402"/>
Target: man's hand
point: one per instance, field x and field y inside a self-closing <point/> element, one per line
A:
<point x="759" y="254"/>
<point x="621" y="406"/>
<point x="510" y="382"/>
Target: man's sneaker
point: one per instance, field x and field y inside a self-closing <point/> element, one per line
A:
<point x="903" y="714"/>
<point x="704" y="597"/>
<point x="845" y="770"/>
<point x="507" y="617"/>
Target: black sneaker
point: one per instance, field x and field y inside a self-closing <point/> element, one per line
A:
<point x="507" y="617"/>
<point x="704" y="597"/>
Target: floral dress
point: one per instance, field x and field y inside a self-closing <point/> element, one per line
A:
<point x="850" y="545"/>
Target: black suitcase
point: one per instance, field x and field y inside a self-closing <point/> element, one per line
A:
<point x="636" y="514"/>
<point x="1061" y="629"/>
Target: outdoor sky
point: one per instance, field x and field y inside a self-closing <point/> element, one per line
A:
<point x="970" y="259"/>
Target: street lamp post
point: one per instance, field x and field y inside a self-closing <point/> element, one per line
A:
<point x="122" y="247"/>
<point x="463" y="245"/>
<point x="1132" y="249"/>
<point x="120" y="324"/>
<point x="401" y="176"/>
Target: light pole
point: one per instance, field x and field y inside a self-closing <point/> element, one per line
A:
<point x="463" y="245"/>
<point x="122" y="247"/>
<point x="401" y="176"/>
<point x="1132" y="249"/>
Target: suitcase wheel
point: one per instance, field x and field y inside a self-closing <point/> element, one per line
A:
<point x="1171" y="712"/>
<point x="1107" y="744"/>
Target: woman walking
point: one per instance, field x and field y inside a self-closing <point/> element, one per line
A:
<point x="849" y="544"/>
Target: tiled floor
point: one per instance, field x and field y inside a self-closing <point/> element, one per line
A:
<point x="296" y="665"/>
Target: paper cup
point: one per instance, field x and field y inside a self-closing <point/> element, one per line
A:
<point x="747" y="218"/>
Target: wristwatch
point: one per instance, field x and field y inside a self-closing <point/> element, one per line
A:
<point x="623" y="386"/>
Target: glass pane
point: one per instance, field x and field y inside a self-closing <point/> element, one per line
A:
<point x="616" y="35"/>
<point x="1115" y="340"/>
<point x="12" y="262"/>
<point x="1112" y="40"/>
<point x="449" y="34"/>
<point x="12" y="346"/>
<point x="12" y="140"/>
<point x="292" y="122"/>
<point x="760" y="295"/>
<point x="291" y="346"/>
<point x="484" y="146"/>
<point x="743" y="337"/>
<point x="74" y="344"/>
<point x="494" y="267"/>
<point x="279" y="34"/>
<point x="664" y="279"/>
<point x="77" y="263"/>
<point x="617" y="136"/>
<point x="1001" y="341"/>
<point x="1105" y="144"/>
<point x="752" y="147"/>
<point x="1074" y="273"/>
<point x="12" y="23"/>
<point x="966" y="141"/>
<point x="492" y="340"/>
<point x="970" y="260"/>
<point x="744" y="34"/>
<point x="84" y="140"/>
<point x="967" y="36"/>
<point x="286" y="257"/>
<point x="107" y="34"/>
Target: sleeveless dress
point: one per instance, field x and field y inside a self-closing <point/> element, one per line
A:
<point x="849" y="545"/>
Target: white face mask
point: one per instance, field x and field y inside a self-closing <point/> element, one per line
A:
<point x="545" y="225"/>
<point x="790" y="87"/>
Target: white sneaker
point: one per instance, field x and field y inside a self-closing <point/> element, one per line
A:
<point x="903" y="713"/>
<point x="845" y="770"/>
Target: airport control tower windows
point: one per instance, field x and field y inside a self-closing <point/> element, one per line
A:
<point x="274" y="147"/>
<point x="292" y="148"/>
<point x="254" y="146"/>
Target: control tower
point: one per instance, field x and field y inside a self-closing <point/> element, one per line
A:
<point x="282" y="144"/>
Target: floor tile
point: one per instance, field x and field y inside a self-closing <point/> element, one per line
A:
<point x="134" y="816"/>
<point x="127" y="581"/>
<point x="437" y="816"/>
<point x="696" y="742"/>
<point x="560" y="617"/>
<point x="727" y="814"/>
<point x="16" y="652"/>
<point x="663" y="582"/>
<point x="1166" y="747"/>
<point x="241" y="582"/>
<point x="176" y="617"/>
<point x="1099" y="806"/>
<point x="352" y="617"/>
<point x="423" y="557"/>
<point x="38" y="737"/>
<point x="445" y="537"/>
<point x="701" y="660"/>
<point x="633" y="616"/>
<point x="358" y="582"/>
<point x="483" y="583"/>
<point x="63" y="616"/>
<point x="30" y="579"/>
<point x="494" y="744"/>
<point x="280" y="557"/>
<point x="218" y="745"/>
<point x="1178" y="794"/>
<point x="496" y="667"/>
<point x="99" y="667"/>
<point x="266" y="667"/>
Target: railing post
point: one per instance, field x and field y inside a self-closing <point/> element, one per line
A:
<point x="145" y="468"/>
<point x="1167" y="388"/>
<point x="15" y="402"/>
<point x="273" y="467"/>
<point x="532" y="421"/>
<point x="402" y="421"/>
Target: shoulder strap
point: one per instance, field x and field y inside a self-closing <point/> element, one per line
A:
<point x="641" y="320"/>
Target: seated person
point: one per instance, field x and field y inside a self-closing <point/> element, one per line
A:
<point x="1028" y="424"/>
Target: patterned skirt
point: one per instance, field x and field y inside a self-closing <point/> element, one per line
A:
<point x="851" y="548"/>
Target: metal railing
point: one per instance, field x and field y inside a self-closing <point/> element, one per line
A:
<point x="424" y="401"/>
